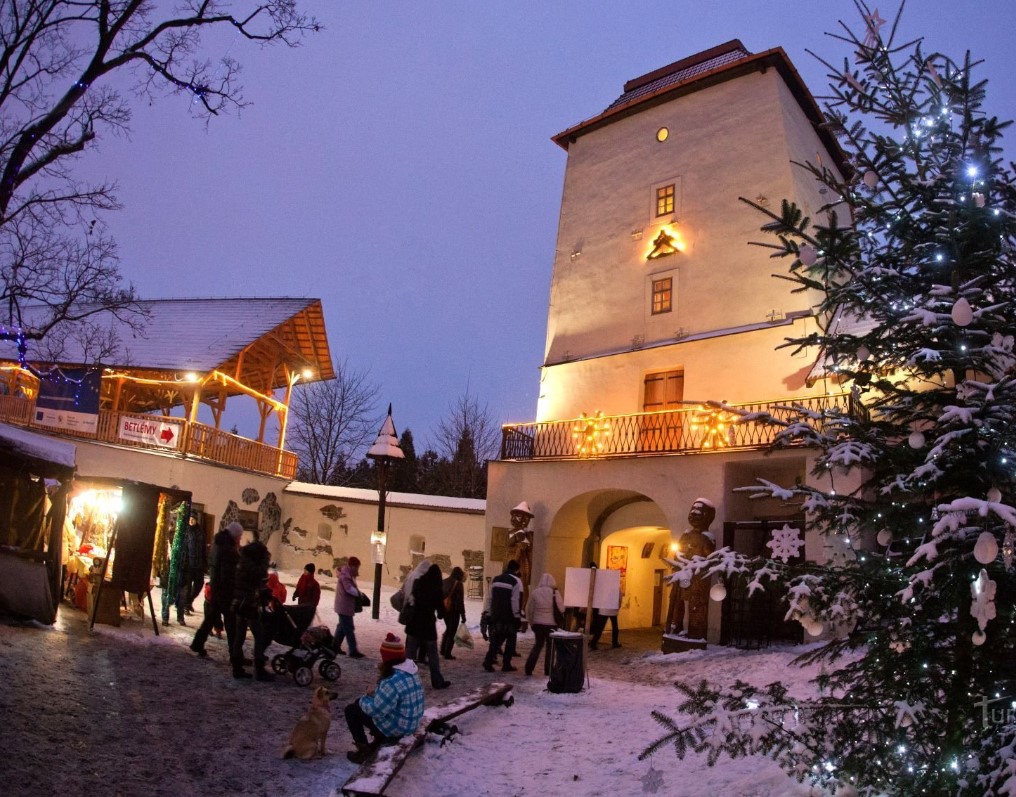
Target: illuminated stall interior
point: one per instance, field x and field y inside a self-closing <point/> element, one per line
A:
<point x="117" y="535"/>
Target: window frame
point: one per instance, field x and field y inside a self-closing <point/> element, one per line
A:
<point x="666" y="199"/>
<point x="665" y="295"/>
<point x="672" y="183"/>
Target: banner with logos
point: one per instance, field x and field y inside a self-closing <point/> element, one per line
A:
<point x="69" y="399"/>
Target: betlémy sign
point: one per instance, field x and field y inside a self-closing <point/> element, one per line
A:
<point x="153" y="432"/>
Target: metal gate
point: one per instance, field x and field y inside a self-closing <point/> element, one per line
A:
<point x="756" y="621"/>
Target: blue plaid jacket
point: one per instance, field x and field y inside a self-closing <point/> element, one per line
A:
<point x="396" y="705"/>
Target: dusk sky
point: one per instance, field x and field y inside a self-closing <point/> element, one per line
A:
<point x="399" y="166"/>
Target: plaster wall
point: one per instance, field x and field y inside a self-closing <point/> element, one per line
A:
<point x="211" y="485"/>
<point x="738" y="368"/>
<point x="727" y="141"/>
<point x="733" y="139"/>
<point x="331" y="523"/>
<point x="633" y="502"/>
<point x="319" y="524"/>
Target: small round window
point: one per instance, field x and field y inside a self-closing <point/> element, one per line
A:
<point x="662" y="134"/>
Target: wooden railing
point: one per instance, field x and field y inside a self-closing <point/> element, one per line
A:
<point x="179" y="437"/>
<point x="710" y="426"/>
<point x="14" y="409"/>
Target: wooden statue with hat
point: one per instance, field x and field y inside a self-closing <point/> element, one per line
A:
<point x="689" y="595"/>
<point x="520" y="545"/>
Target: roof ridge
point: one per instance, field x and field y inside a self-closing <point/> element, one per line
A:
<point x="686" y="63"/>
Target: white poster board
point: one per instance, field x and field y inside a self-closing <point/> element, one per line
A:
<point x="606" y="590"/>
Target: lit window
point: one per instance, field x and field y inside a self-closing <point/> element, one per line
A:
<point x="662" y="134"/>
<point x="665" y="200"/>
<point x="662" y="295"/>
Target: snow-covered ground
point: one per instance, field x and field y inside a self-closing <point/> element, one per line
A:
<point x="120" y="712"/>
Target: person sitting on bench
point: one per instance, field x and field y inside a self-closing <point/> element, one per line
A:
<point x="392" y="709"/>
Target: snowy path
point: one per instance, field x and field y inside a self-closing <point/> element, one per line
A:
<point x="122" y="713"/>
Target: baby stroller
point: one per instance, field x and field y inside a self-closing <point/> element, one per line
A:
<point x="289" y="626"/>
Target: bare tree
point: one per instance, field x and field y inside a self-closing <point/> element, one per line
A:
<point x="332" y="423"/>
<point x="467" y="419"/>
<point x="58" y="61"/>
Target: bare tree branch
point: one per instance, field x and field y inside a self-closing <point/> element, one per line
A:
<point x="332" y="423"/>
<point x="466" y="415"/>
<point x="58" y="60"/>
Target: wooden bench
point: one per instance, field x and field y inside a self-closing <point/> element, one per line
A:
<point x="378" y="771"/>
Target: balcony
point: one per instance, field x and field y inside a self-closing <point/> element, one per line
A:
<point x="167" y="435"/>
<point x="700" y="428"/>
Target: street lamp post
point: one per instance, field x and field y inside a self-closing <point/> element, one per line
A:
<point x="385" y="449"/>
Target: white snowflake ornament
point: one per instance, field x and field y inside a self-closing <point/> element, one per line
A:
<point x="982" y="607"/>
<point x="652" y="781"/>
<point x="786" y="543"/>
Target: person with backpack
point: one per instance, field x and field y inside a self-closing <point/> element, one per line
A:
<point x="454" y="609"/>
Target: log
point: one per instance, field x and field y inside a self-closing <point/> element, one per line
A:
<point x="380" y="769"/>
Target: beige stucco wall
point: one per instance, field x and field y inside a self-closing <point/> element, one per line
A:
<point x="730" y="140"/>
<point x="735" y="139"/>
<point x="442" y="528"/>
<point x="337" y="522"/>
<point x="635" y="501"/>
<point x="211" y="485"/>
<point x="737" y="368"/>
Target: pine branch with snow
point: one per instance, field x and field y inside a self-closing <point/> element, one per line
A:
<point x="912" y="265"/>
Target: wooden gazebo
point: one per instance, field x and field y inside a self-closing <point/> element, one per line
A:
<point x="191" y="352"/>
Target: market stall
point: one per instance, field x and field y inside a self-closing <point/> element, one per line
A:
<point x="120" y="531"/>
<point x="35" y="477"/>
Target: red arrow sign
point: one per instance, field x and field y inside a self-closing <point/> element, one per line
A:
<point x="166" y="435"/>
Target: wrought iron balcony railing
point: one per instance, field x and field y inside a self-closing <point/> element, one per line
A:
<point x="709" y="426"/>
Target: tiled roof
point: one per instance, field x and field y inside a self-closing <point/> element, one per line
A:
<point x="680" y="72"/>
<point x="725" y="62"/>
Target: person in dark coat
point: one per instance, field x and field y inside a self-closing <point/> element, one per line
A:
<point x="221" y="580"/>
<point x="505" y="616"/>
<point x="308" y="591"/>
<point x="455" y="609"/>
<point x="195" y="560"/>
<point x="250" y="595"/>
<point x="421" y="631"/>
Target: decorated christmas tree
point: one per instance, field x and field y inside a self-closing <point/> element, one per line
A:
<point x="913" y="260"/>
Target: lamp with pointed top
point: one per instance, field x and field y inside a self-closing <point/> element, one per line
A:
<point x="385" y="449"/>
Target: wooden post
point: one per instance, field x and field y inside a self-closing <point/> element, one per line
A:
<point x="589" y="601"/>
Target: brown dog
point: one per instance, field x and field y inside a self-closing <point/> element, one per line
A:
<point x="308" y="737"/>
